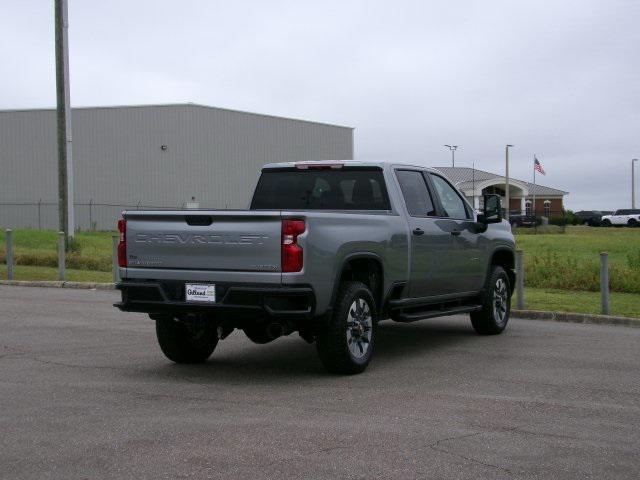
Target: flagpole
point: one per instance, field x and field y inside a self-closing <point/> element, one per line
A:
<point x="533" y="207"/>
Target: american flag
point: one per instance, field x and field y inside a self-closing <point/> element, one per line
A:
<point x="538" y="166"/>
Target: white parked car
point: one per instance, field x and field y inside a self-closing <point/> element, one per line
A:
<point x="629" y="217"/>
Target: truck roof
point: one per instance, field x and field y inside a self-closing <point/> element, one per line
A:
<point x="348" y="163"/>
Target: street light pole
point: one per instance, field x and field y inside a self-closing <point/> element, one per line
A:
<point x="633" y="182"/>
<point x="453" y="149"/>
<point x="506" y="176"/>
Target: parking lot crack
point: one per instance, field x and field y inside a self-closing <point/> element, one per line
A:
<point x="69" y="365"/>
<point x="307" y="454"/>
<point x="436" y="447"/>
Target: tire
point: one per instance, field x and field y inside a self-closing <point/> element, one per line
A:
<point x="496" y="304"/>
<point x="606" y="223"/>
<point x="632" y="222"/>
<point x="186" y="343"/>
<point x="346" y="344"/>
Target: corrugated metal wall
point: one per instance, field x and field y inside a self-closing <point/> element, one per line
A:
<point x="212" y="154"/>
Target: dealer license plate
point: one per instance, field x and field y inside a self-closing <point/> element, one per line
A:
<point x="200" y="293"/>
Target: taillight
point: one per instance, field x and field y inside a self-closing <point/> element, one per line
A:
<point x="122" y="244"/>
<point x="292" y="254"/>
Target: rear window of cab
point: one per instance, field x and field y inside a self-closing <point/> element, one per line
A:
<point x="321" y="189"/>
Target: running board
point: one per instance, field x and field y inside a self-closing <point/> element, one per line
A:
<point x="415" y="316"/>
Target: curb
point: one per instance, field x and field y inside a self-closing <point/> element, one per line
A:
<point x="59" y="284"/>
<point x="576" y="318"/>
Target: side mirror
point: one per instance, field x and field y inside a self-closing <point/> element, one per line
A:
<point x="492" y="212"/>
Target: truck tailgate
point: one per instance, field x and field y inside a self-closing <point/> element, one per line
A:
<point x="204" y="240"/>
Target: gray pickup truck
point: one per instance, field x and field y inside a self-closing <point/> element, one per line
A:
<point x="326" y="249"/>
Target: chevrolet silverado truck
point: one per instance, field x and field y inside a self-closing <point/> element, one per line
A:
<point x="326" y="249"/>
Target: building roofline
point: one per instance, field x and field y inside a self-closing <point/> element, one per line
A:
<point x="494" y="175"/>
<point x="186" y="104"/>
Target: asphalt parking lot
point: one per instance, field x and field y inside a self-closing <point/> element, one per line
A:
<point x="86" y="393"/>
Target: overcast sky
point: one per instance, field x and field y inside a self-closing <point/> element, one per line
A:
<point x="557" y="78"/>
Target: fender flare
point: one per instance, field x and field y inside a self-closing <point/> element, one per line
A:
<point x="501" y="248"/>
<point x="349" y="257"/>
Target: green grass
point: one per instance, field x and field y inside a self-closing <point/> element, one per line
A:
<point x="571" y="261"/>
<point x="542" y="229"/>
<point x="39" y="248"/>
<point x="621" y="304"/>
<point x="47" y="273"/>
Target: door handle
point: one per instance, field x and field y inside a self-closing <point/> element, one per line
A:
<point x="455" y="233"/>
<point x="418" y="231"/>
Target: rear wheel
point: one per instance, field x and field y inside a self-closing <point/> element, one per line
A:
<point x="496" y="305"/>
<point x="191" y="341"/>
<point x="632" y="222"/>
<point x="346" y="344"/>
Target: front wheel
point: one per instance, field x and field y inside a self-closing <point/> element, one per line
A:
<point x="191" y="341"/>
<point x="606" y="223"/>
<point x="346" y="344"/>
<point x="496" y="304"/>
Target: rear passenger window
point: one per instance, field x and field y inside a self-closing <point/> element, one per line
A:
<point x="415" y="193"/>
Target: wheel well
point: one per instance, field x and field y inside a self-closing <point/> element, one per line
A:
<point x="367" y="271"/>
<point x="506" y="260"/>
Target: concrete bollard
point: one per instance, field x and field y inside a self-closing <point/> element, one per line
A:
<point x="61" y="256"/>
<point x="114" y="257"/>
<point x="604" y="282"/>
<point x="9" y="244"/>
<point x="520" y="278"/>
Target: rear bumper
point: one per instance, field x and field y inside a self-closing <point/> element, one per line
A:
<point x="234" y="301"/>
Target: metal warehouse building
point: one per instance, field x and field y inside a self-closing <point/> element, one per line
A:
<point x="153" y="156"/>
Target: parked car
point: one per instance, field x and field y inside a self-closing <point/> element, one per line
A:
<point x="326" y="249"/>
<point x="624" y="217"/>
<point x="593" y="218"/>
<point x="519" y="220"/>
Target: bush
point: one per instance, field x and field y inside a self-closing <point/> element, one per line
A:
<point x="572" y="218"/>
<point x="558" y="220"/>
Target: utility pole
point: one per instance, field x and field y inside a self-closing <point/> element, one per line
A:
<point x="633" y="182"/>
<point x="506" y="176"/>
<point x="453" y="149"/>
<point x="65" y="160"/>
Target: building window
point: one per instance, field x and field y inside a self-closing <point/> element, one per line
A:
<point x="527" y="207"/>
<point x="547" y="208"/>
